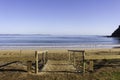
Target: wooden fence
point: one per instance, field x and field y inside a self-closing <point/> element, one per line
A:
<point x="24" y="56"/>
<point x="36" y="56"/>
<point x="43" y="59"/>
<point x="91" y="55"/>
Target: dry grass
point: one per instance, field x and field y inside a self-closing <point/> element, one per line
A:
<point x="17" y="71"/>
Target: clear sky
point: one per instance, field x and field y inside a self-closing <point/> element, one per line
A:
<point x="77" y="17"/>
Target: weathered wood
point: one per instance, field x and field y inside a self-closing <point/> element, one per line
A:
<point x="73" y="58"/>
<point x="43" y="58"/>
<point x="40" y="52"/>
<point x="29" y="65"/>
<point x="84" y="62"/>
<point x="83" y="58"/>
<point x="23" y="55"/>
<point x="36" y="62"/>
<point x="76" y="50"/>
<point x="46" y="56"/>
<point x="91" y="65"/>
<point x="73" y="51"/>
<point x="95" y="57"/>
<point x="69" y="55"/>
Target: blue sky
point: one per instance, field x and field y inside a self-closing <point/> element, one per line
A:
<point x="64" y="17"/>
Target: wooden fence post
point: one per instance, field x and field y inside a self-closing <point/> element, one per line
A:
<point x="69" y="55"/>
<point x="29" y="65"/>
<point x="84" y="63"/>
<point x="44" y="54"/>
<point x="42" y="58"/>
<point x="74" y="61"/>
<point x="36" y="62"/>
<point x="91" y="65"/>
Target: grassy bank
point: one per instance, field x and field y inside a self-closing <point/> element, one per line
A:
<point x="17" y="71"/>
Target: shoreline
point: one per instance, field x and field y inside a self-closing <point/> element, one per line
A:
<point x="58" y="47"/>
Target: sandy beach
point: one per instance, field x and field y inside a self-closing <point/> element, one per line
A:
<point x="59" y="39"/>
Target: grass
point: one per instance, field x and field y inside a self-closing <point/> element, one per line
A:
<point x="101" y="73"/>
<point x="116" y="76"/>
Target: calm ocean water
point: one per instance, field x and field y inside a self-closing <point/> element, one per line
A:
<point x="57" y="41"/>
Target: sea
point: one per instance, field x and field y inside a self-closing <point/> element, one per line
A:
<point x="56" y="41"/>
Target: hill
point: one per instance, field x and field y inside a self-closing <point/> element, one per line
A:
<point x="116" y="33"/>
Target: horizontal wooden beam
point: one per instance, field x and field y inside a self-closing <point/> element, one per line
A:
<point x="76" y="50"/>
<point x="40" y="52"/>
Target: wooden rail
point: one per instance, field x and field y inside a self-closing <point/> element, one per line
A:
<point x="78" y="51"/>
<point x="27" y="56"/>
<point x="91" y="57"/>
